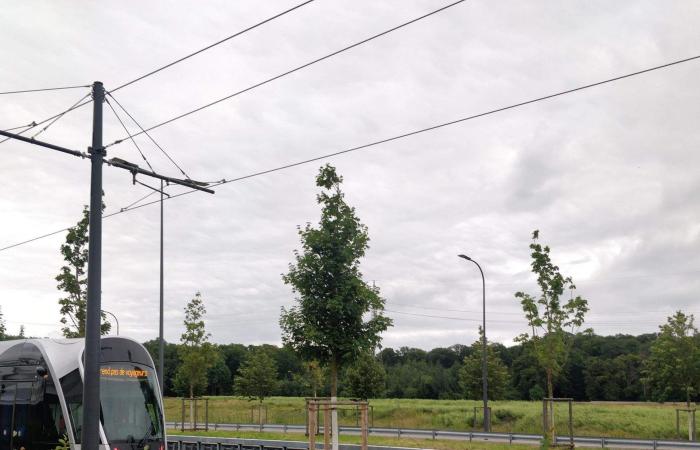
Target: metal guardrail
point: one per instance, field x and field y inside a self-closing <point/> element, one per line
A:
<point x="215" y="443"/>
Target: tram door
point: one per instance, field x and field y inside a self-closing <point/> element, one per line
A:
<point x="15" y="400"/>
<point x="8" y="392"/>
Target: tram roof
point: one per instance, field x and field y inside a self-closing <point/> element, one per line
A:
<point x="62" y="355"/>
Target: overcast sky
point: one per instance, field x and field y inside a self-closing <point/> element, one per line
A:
<point x="608" y="175"/>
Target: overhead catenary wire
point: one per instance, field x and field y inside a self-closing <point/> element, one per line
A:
<point x="394" y="138"/>
<point x="52" y="120"/>
<point x="45" y="89"/>
<point x="138" y="201"/>
<point x="298" y="68"/>
<point x="128" y="83"/>
<point x="57" y="118"/>
<point x="32" y="124"/>
<point x="148" y="135"/>
<point x="245" y="30"/>
<point x="130" y="136"/>
<point x="464" y="319"/>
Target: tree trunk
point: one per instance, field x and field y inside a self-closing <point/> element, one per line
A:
<point x="550" y="409"/>
<point x="334" y="398"/>
<point x="191" y="405"/>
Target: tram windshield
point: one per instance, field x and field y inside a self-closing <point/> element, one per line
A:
<point x="130" y="409"/>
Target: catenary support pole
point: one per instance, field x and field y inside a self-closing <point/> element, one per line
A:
<point x="161" y="342"/>
<point x="91" y="375"/>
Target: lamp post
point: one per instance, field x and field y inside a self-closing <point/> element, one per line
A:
<point x="484" y="369"/>
<point x="115" y="318"/>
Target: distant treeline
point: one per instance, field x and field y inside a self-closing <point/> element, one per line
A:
<point x="597" y="368"/>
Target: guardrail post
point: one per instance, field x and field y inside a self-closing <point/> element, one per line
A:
<point x="654" y="443"/>
<point x="364" y="419"/>
<point x="602" y="442"/>
<point x="434" y="434"/>
<point x="510" y="438"/>
<point x="327" y="427"/>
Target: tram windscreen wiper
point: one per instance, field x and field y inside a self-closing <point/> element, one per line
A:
<point x="151" y="432"/>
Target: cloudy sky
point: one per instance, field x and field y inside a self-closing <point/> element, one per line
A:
<point x="609" y="175"/>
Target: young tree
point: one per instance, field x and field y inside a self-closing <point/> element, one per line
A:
<point x="314" y="376"/>
<point x="330" y="322"/>
<point x="257" y="376"/>
<point x="73" y="280"/>
<point x="2" y="325"/>
<point x="550" y="317"/>
<point x="196" y="352"/>
<point x="21" y="332"/>
<point x="470" y="375"/>
<point x="673" y="367"/>
<point x="366" y="378"/>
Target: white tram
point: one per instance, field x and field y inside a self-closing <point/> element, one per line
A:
<point x="41" y="395"/>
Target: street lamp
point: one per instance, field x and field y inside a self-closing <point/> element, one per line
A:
<point x="484" y="369"/>
<point x="115" y="319"/>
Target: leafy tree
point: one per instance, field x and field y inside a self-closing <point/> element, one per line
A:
<point x="219" y="378"/>
<point x="171" y="363"/>
<point x="2" y="325"/>
<point x="196" y="352"/>
<point x="471" y="377"/>
<point x="329" y="323"/>
<point x="257" y="376"/>
<point x="673" y="367"/>
<point x="548" y="316"/>
<point x="366" y="378"/>
<point x="21" y="332"/>
<point x="73" y="280"/>
<point x="233" y="355"/>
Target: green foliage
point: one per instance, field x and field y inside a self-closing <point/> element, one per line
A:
<point x="219" y="379"/>
<point x="72" y="280"/>
<point x="548" y="315"/>
<point x="673" y="367"/>
<point x="471" y="377"/>
<point x="536" y="392"/>
<point x="171" y="363"/>
<point x="328" y="323"/>
<point x="365" y="378"/>
<point x="63" y="443"/>
<point x="2" y="325"/>
<point x="257" y="376"/>
<point x="196" y="353"/>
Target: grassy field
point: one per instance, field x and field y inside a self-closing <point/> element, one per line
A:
<point x="640" y="420"/>
<point x="373" y="440"/>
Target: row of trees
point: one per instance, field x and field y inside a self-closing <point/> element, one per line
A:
<point x="649" y="367"/>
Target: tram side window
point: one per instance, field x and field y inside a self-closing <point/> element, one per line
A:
<point x="46" y="424"/>
<point x="72" y="386"/>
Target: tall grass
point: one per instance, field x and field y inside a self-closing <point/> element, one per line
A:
<point x="640" y="420"/>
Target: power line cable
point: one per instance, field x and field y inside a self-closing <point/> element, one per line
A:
<point x="57" y="118"/>
<point x="130" y="136"/>
<point x="616" y="323"/>
<point x="296" y="69"/>
<point x="153" y="72"/>
<point x="511" y="313"/>
<point x="53" y="119"/>
<point x="375" y="143"/>
<point x="44" y="89"/>
<point x="33" y="124"/>
<point x="176" y="61"/>
<point x="148" y="135"/>
<point x="138" y="201"/>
